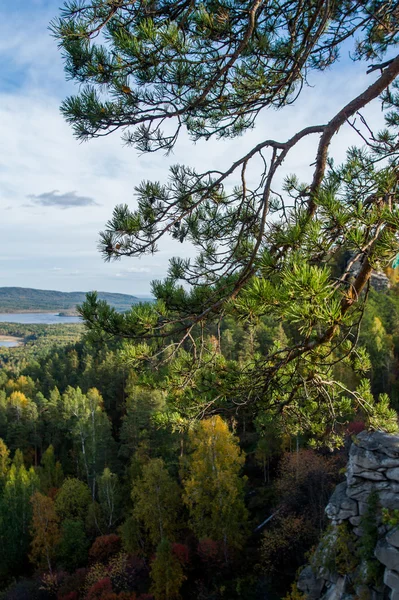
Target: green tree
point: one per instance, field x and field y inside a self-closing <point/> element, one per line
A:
<point x="73" y="499"/>
<point x="51" y="473"/>
<point x="156" y="500"/>
<point x="214" y="489"/>
<point x="16" y="514"/>
<point x="109" y="495"/>
<point x="73" y="548"/>
<point x="141" y="405"/>
<point x="166" y="573"/>
<point x="91" y="431"/>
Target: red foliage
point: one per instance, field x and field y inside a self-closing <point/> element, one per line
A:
<point x="120" y="596"/>
<point x="104" y="547"/>
<point x="145" y="597"/>
<point x="208" y="550"/>
<point x="52" y="492"/>
<point x="356" y="427"/>
<point x="182" y="553"/>
<point x="71" y="584"/>
<point x="99" y="590"/>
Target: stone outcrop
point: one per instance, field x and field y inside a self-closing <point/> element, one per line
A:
<point x="379" y="281"/>
<point x="373" y="468"/>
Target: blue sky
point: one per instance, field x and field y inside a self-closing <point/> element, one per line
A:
<point x="43" y="168"/>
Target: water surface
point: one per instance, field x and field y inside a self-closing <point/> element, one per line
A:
<point x="37" y="318"/>
<point x="9" y="344"/>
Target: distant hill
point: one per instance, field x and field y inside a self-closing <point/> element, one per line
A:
<point x="16" y="299"/>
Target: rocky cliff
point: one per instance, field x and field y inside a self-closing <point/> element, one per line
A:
<point x="358" y="557"/>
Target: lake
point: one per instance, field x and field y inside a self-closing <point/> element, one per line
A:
<point x="37" y="318"/>
<point x="9" y="344"/>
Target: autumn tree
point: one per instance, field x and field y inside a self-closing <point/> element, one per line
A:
<point x="4" y="462"/>
<point x="22" y="416"/>
<point x="213" y="487"/>
<point x="45" y="530"/>
<point x="166" y="573"/>
<point x="156" y="498"/>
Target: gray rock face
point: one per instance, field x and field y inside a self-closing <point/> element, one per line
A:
<point x="363" y="488"/>
<point x="391" y="579"/>
<point x="309" y="584"/>
<point x="362" y="459"/>
<point x="393" y="473"/>
<point x="379" y="441"/>
<point x="387" y="555"/>
<point x="341" y="507"/>
<point x="393" y="537"/>
<point x="336" y="591"/>
<point x="389" y="499"/>
<point x="373" y="467"/>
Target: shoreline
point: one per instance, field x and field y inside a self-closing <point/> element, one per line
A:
<point x="38" y="311"/>
<point x="12" y="338"/>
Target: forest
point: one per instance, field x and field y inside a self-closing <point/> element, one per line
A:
<point x="187" y="447"/>
<point x="110" y="491"/>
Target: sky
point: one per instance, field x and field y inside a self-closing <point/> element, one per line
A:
<point x="56" y="193"/>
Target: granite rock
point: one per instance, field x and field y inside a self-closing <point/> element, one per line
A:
<point x="391" y="579"/>
<point x="309" y="584"/>
<point x="336" y="591"/>
<point x="393" y="537"/>
<point x="387" y="555"/>
<point x="393" y="473"/>
<point x="341" y="507"/>
<point x="379" y="441"/>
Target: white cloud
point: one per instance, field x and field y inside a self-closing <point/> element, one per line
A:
<point x="132" y="270"/>
<point x="38" y="153"/>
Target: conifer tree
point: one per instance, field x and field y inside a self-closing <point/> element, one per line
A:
<point x="16" y="513"/>
<point x="262" y="248"/>
<point x="51" y="473"/>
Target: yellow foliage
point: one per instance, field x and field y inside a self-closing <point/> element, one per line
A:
<point x="45" y="530"/>
<point x="18" y="399"/>
<point x="213" y="490"/>
<point x="294" y="594"/>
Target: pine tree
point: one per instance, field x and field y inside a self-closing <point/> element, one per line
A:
<point x="262" y="248"/>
